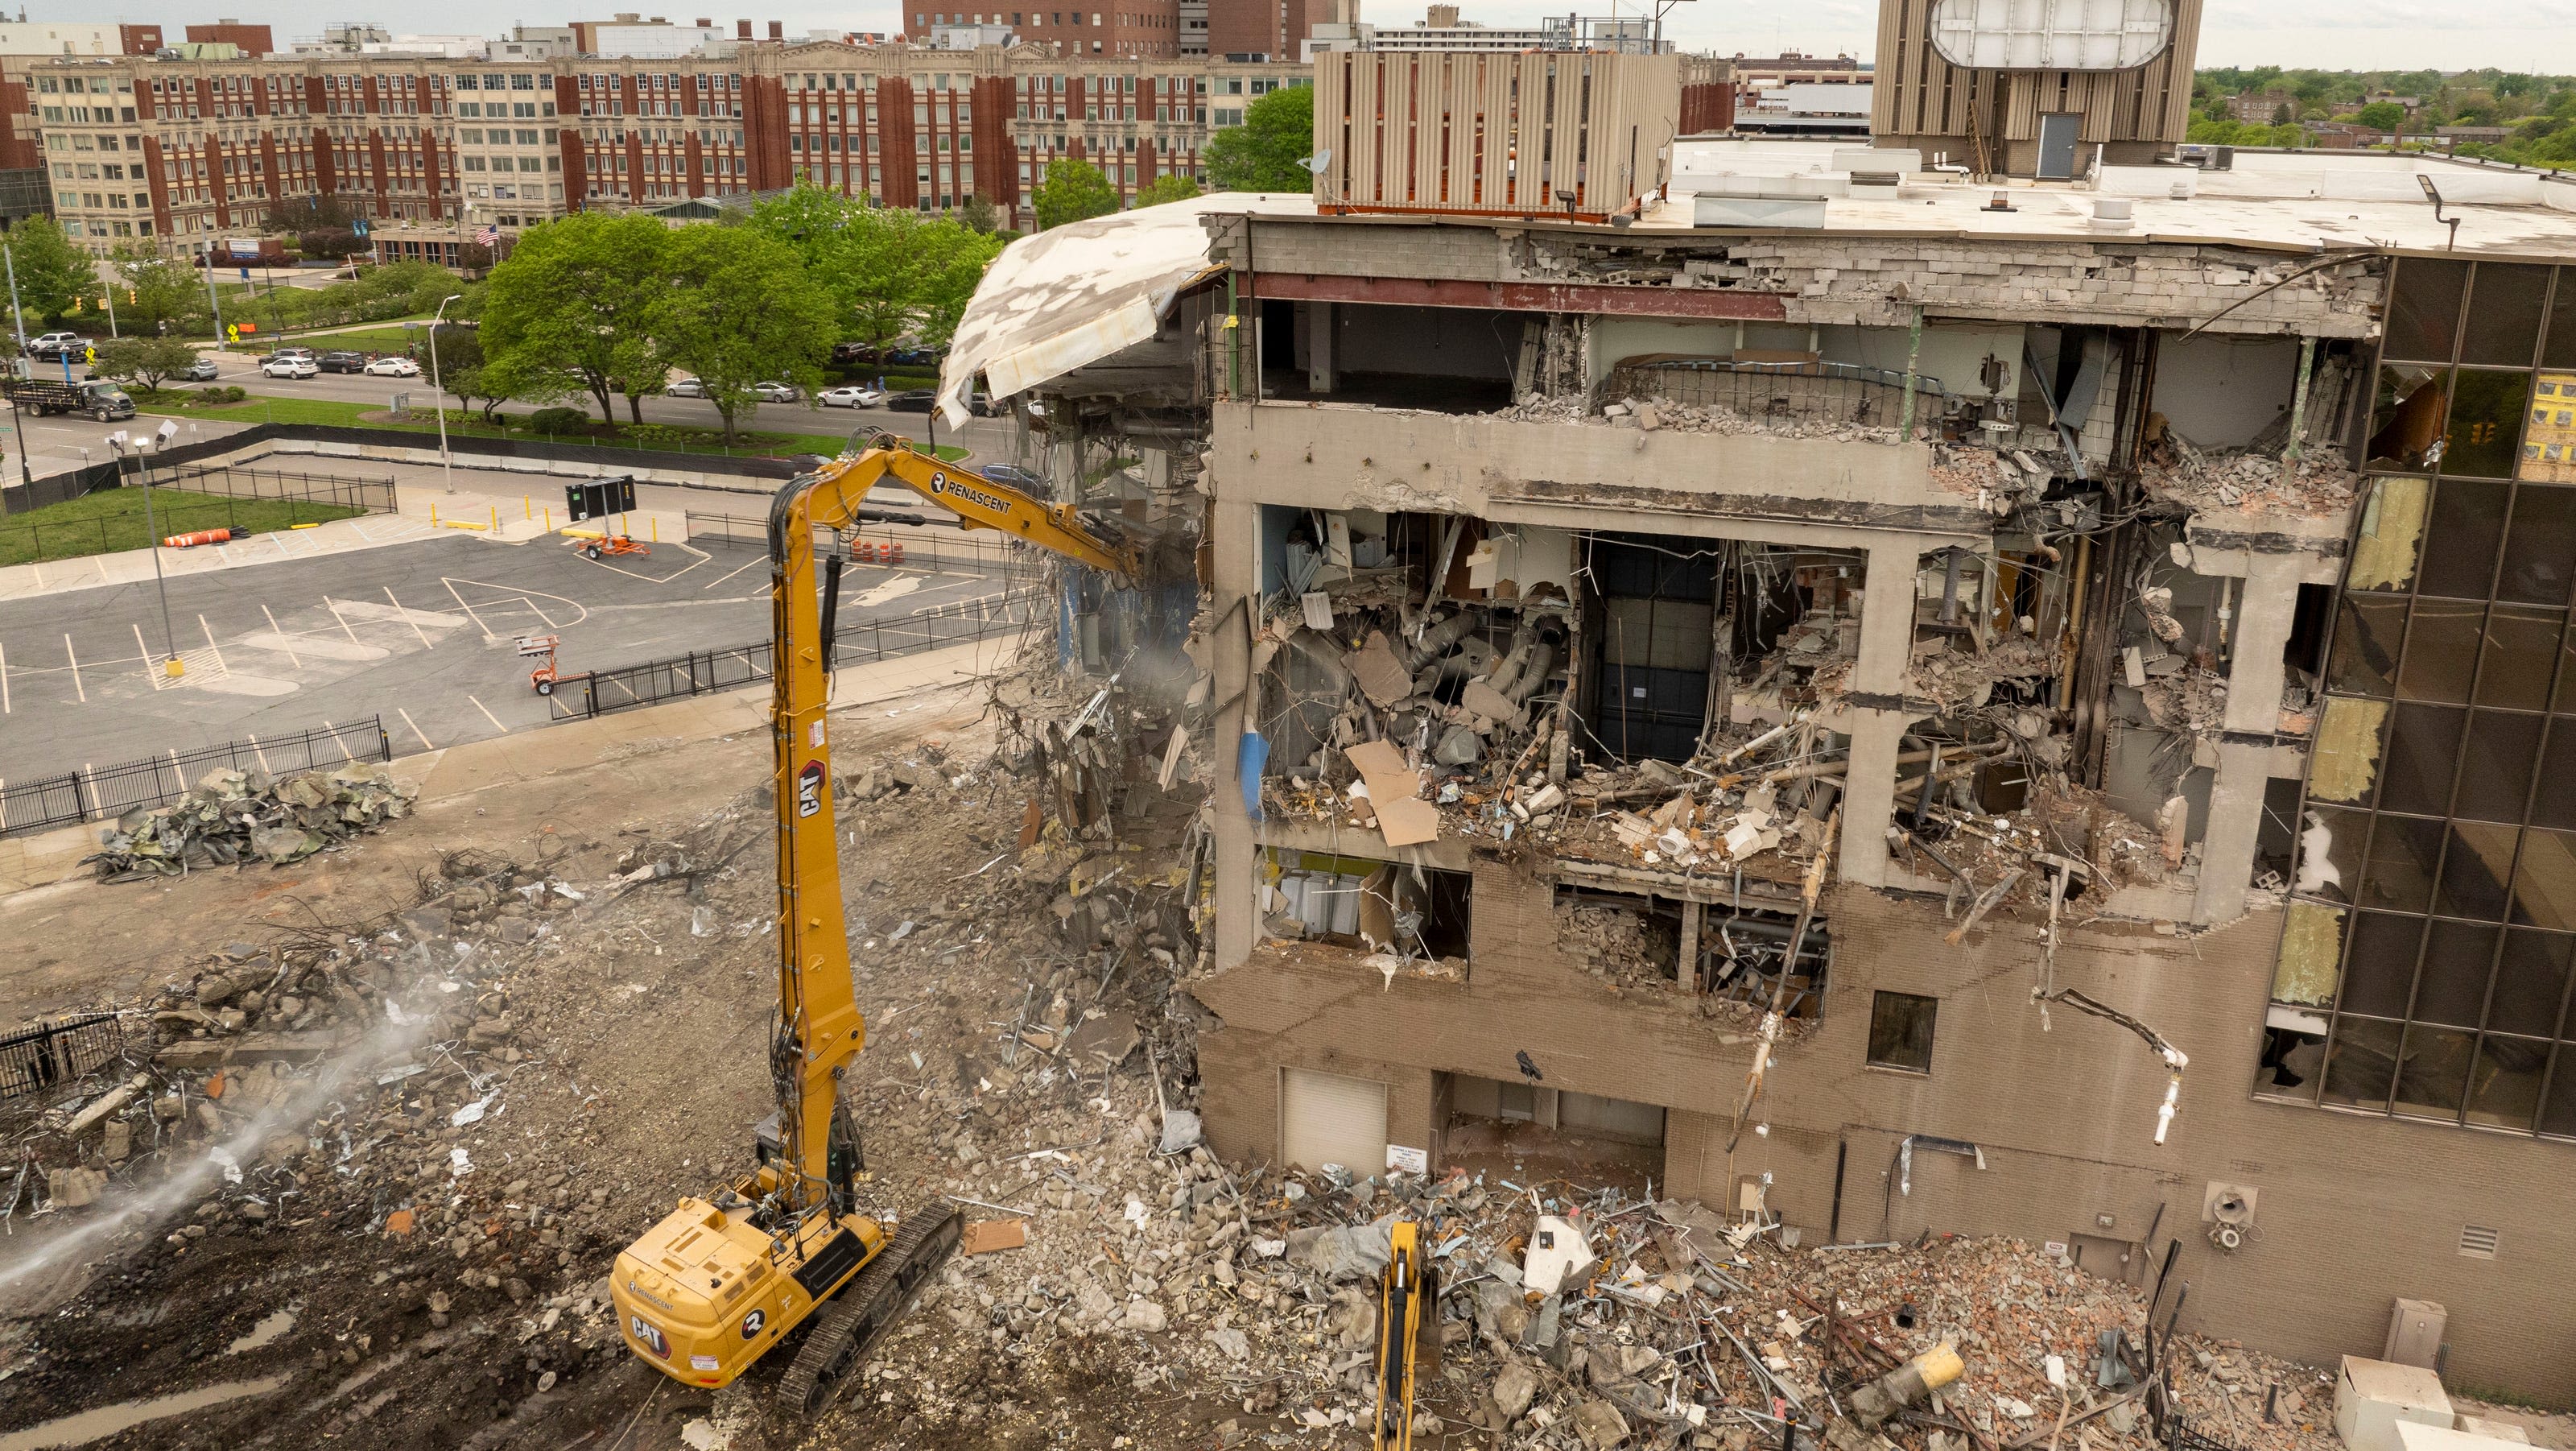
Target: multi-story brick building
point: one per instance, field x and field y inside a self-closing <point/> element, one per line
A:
<point x="183" y="151"/>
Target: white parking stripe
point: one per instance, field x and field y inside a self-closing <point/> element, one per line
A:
<point x="343" y="619"/>
<point x="281" y="634"/>
<point x="415" y="729"/>
<point x="4" y="680"/>
<point x="415" y="629"/>
<point x="76" y="680"/>
<point x="488" y="715"/>
<point x="211" y="648"/>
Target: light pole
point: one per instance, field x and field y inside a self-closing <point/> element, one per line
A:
<point x="17" y="425"/>
<point x="438" y="389"/>
<point x="118" y="443"/>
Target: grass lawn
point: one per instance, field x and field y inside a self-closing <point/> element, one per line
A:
<point x="681" y="438"/>
<point x="112" y="519"/>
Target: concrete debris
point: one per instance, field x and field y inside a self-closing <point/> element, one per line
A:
<point x="232" y="816"/>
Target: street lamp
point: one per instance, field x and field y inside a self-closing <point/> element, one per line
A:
<point x="438" y="389"/>
<point x="118" y="444"/>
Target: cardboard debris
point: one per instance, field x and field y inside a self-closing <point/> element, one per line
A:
<point x="1394" y="793"/>
<point x="1381" y="676"/>
<point x="985" y="1236"/>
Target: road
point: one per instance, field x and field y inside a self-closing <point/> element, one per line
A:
<point x="242" y="371"/>
<point x="59" y="444"/>
<point x="421" y="634"/>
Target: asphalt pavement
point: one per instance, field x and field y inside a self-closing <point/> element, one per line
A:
<point x="422" y="634"/>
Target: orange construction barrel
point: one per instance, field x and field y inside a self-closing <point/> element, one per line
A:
<point x="202" y="536"/>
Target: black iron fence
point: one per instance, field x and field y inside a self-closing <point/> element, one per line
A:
<point x="40" y="1057"/>
<point x="45" y="802"/>
<point x="248" y="500"/>
<point x="703" y="672"/>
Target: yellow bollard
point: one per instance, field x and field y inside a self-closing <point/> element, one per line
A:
<point x="433" y="516"/>
<point x="496" y="518"/>
<point x="528" y="505"/>
<point x="550" y="518"/>
<point x="656" y="530"/>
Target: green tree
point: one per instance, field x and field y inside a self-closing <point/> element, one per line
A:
<point x="978" y="214"/>
<point x="462" y="370"/>
<point x="1265" y="152"/>
<point x="1073" y="191"/>
<point x="889" y="272"/>
<point x="1169" y="187"/>
<point x="740" y="308"/>
<point x="158" y="290"/>
<point x="2381" y="115"/>
<point x="146" y="360"/>
<point x="569" y="312"/>
<point x="51" y="271"/>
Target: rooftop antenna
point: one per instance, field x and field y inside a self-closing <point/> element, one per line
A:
<point x="1321" y="164"/>
<point x="2434" y="194"/>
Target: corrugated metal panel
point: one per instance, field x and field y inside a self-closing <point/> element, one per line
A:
<point x="1920" y="95"/>
<point x="1423" y="131"/>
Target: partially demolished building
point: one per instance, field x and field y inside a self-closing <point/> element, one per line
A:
<point x="1928" y="708"/>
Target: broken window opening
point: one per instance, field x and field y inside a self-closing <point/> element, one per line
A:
<point x="1439" y="359"/>
<point x="1432" y="699"/>
<point x="1538" y="1132"/>
<point x="1992" y="630"/>
<point x="1418" y="916"/>
<point x="2253" y="423"/>
<point x="1725" y="958"/>
<point x="1900" y="1031"/>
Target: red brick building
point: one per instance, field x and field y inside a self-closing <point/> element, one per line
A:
<point x="189" y="151"/>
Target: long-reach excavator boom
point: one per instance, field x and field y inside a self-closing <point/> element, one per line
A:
<point x="705" y="1292"/>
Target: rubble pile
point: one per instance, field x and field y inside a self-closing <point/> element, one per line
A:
<point x="232" y="816"/>
<point x="2259" y="478"/>
<point x="1638" y="1324"/>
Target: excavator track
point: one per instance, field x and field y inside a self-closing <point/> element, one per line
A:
<point x="853" y="1319"/>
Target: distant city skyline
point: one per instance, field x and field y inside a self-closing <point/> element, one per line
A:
<point x="2324" y="34"/>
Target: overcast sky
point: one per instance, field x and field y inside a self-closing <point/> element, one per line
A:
<point x="2331" y="34"/>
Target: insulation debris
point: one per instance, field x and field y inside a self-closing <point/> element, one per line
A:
<point x="235" y="816"/>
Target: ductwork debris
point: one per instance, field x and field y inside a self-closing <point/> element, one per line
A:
<point x="233" y="817"/>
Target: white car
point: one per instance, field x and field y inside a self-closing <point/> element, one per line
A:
<point x="394" y="368"/>
<point x="685" y="388"/>
<point x="291" y="367"/>
<point x="775" y="392"/>
<point x="853" y="396"/>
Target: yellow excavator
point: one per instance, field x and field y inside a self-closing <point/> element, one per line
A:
<point x="1408" y="1333"/>
<point x="723" y="1280"/>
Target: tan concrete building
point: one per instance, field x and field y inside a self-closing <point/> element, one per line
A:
<point x="2141" y="613"/>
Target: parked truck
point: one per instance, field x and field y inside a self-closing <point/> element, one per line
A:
<point x="98" y="398"/>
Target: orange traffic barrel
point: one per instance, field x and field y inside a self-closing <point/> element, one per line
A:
<point x="202" y="536"/>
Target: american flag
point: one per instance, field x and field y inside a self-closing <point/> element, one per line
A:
<point x="488" y="236"/>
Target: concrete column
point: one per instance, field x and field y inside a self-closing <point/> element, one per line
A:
<point x="1688" y="973"/>
<point x="1064" y="467"/>
<point x="1886" y="651"/>
<point x="1320" y="323"/>
<point x="1237" y="536"/>
<point x="2266" y="603"/>
<point x="2229" y="833"/>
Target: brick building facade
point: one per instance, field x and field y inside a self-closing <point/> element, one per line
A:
<point x="184" y="151"/>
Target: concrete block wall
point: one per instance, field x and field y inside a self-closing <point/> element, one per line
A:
<point x="1881" y="280"/>
<point x="2352" y="1210"/>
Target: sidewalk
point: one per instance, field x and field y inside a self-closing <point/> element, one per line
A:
<point x="458" y="771"/>
<point x="134" y="566"/>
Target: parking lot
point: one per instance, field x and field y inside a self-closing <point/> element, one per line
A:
<point x="422" y="634"/>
